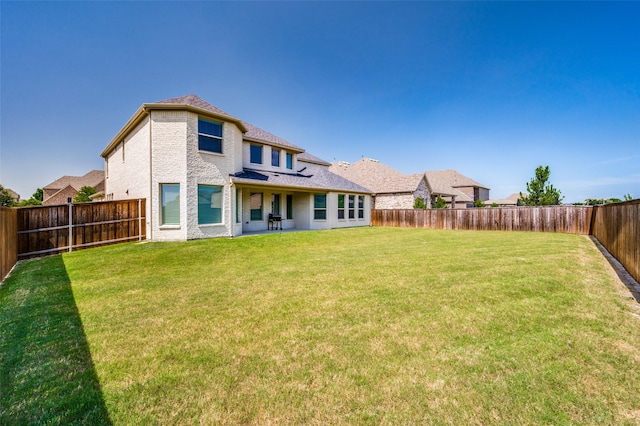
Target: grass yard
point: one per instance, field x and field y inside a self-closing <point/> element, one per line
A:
<point x="352" y="326"/>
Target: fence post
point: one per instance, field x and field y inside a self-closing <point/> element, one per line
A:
<point x="70" y="227"/>
<point x="139" y="219"/>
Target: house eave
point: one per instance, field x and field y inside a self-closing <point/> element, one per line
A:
<point x="145" y="110"/>
<point x="263" y="142"/>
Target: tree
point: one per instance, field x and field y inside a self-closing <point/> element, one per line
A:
<point x="419" y="203"/>
<point x="84" y="195"/>
<point x="478" y="203"/>
<point x="6" y="200"/>
<point x="541" y="193"/>
<point x="440" y="203"/>
<point x="628" y="197"/>
<point x="38" y="195"/>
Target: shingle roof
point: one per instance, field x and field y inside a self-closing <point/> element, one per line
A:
<point x="93" y="178"/>
<point x="310" y="177"/>
<point x="257" y="134"/>
<point x="455" y="179"/>
<point x="252" y="133"/>
<point x="376" y="176"/>
<point x="194" y="101"/>
<point x="309" y="158"/>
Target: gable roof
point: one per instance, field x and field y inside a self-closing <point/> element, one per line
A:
<point x="376" y="176"/>
<point x="455" y="179"/>
<point x="195" y="104"/>
<point x="257" y="134"/>
<point x="93" y="178"/>
<point x="441" y="185"/>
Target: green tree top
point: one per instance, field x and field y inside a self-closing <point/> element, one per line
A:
<point x="84" y="195"/>
<point x="541" y="193"/>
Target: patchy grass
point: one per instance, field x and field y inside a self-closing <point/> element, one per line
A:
<point x="352" y="326"/>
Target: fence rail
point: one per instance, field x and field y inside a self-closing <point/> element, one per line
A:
<point x="566" y="219"/>
<point x="8" y="240"/>
<point x="53" y="229"/>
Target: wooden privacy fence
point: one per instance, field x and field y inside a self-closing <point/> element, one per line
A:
<point x="567" y="219"/>
<point x="8" y="240"/>
<point x="617" y="227"/>
<point x="46" y="230"/>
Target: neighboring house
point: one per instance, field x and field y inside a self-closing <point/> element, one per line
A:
<point x="63" y="190"/>
<point x="510" y="201"/>
<point x="393" y="189"/>
<point x="466" y="191"/>
<point x="13" y="194"/>
<point x="206" y="173"/>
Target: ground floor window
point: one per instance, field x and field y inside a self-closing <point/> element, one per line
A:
<point x="352" y="206"/>
<point x="320" y="206"/>
<point x="209" y="204"/>
<point x="170" y="203"/>
<point x="289" y="206"/>
<point x="360" y="206"/>
<point x="340" y="206"/>
<point x="255" y="203"/>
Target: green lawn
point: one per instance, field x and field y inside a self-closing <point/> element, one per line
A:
<point x="352" y="326"/>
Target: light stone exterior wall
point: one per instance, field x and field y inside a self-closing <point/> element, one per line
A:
<point x="206" y="168"/>
<point x="129" y="176"/>
<point x="394" y="201"/>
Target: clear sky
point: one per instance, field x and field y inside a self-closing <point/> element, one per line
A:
<point x="492" y="90"/>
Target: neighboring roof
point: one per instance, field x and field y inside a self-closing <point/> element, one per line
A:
<point x="376" y="176"/>
<point x="502" y="202"/>
<point x="93" y="178"/>
<point x="455" y="179"/>
<point x="440" y="185"/>
<point x="13" y="194"/>
<point x="310" y="177"/>
<point x="309" y="158"/>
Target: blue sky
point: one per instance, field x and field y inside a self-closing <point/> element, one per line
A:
<point x="492" y="89"/>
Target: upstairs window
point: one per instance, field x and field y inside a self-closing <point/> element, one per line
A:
<point x="275" y="157"/>
<point x="255" y="154"/>
<point x="209" y="136"/>
<point x="289" y="161"/>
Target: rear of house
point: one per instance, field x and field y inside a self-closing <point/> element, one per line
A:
<point x="207" y="174"/>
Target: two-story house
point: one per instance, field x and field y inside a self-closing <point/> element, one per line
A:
<point x="206" y="173"/>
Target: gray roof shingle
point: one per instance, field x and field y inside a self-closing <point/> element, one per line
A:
<point x="310" y="177"/>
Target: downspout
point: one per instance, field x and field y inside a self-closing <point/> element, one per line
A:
<point x="150" y="201"/>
